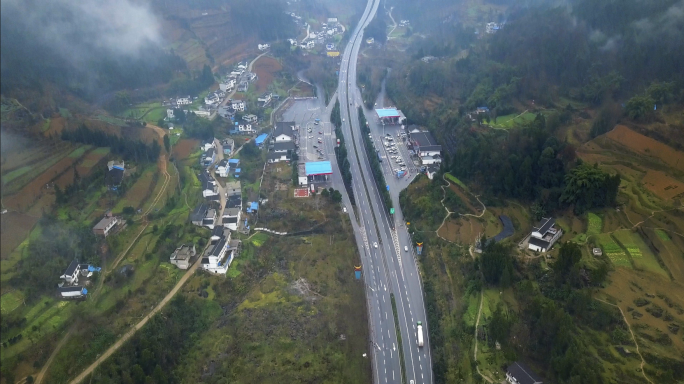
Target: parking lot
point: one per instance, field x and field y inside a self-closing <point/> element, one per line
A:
<point x="314" y="135"/>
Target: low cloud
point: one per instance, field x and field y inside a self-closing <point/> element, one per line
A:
<point x="82" y="29"/>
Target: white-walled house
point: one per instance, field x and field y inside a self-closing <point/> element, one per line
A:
<point x="265" y="98"/>
<point x="427" y="148"/>
<point x="182" y="255"/>
<point x="263" y="47"/>
<point x="227" y="85"/>
<point x="250" y="118"/>
<point x="218" y="259"/>
<point x="284" y="131"/>
<point x="183" y="101"/>
<point x="70" y="275"/>
<point x="238" y="105"/>
<point x="169" y="114"/>
<point x="222" y="168"/>
<point x="231" y="218"/>
<point x="544" y="236"/>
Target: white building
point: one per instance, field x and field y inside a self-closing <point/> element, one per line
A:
<point x="182" y="255"/>
<point x="238" y="105"/>
<point x="231" y="218"/>
<point x="169" y="114"/>
<point x="104" y="226"/>
<point x="284" y="131"/>
<point x="72" y="292"/>
<point x="70" y="275"/>
<point x="332" y="19"/>
<point x="250" y="118"/>
<point x="426" y="147"/>
<point x="227" y="85"/>
<point x="222" y="168"/>
<point x="210" y="219"/>
<point x="544" y="236"/>
<point x="265" y="97"/>
<point x="246" y="128"/>
<point x="183" y="101"/>
<point x="293" y="42"/>
<point x="263" y="47"/>
<point x="218" y="259"/>
<point x="205" y="114"/>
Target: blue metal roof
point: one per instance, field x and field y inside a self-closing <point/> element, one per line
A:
<point x="318" y="168"/>
<point x="234" y="161"/>
<point x="387" y="112"/>
<point x="237" y="170"/>
<point x="260" y="139"/>
<point x="254" y="206"/>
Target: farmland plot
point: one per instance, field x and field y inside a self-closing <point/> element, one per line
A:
<point x="641" y="255"/>
<point x="613" y="251"/>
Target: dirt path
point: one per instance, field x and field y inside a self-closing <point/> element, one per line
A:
<point x="394" y="26"/>
<point x="484" y="208"/>
<point x="136" y="327"/>
<point x="633" y="339"/>
<point x="39" y="377"/>
<point x="477" y="323"/>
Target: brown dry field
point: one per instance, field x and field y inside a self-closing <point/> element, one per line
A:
<point x="23" y="199"/>
<point x="14" y="228"/>
<point x="57" y="124"/>
<point x="460" y="229"/>
<point x="628" y="285"/>
<point x="265" y="68"/>
<point x="647" y="146"/>
<point x="90" y="160"/>
<point x="662" y="185"/>
<point x="183" y="149"/>
<point x="467" y="200"/>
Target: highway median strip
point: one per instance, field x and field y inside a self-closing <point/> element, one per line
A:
<point x="399" y="342"/>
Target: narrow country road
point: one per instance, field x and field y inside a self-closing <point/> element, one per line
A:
<point x="138" y="326"/>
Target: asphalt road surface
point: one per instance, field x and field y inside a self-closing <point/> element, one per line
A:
<point x="387" y="267"/>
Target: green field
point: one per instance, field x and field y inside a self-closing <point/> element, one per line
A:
<point x="638" y="250"/>
<point x="16" y="173"/>
<point x="454" y="180"/>
<point x="595" y="224"/>
<point x="662" y="235"/>
<point x="513" y="120"/>
<point x="259" y="239"/>
<point x="78" y="152"/>
<point x="613" y="251"/>
<point x="10" y="301"/>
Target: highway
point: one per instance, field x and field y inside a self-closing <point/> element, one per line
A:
<point x="387" y="268"/>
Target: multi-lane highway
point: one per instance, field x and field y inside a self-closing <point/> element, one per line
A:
<point x="381" y="239"/>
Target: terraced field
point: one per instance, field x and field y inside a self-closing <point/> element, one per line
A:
<point x="611" y="249"/>
<point x="641" y="255"/>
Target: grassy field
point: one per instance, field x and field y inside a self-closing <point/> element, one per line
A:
<point x="595" y="224"/>
<point x="613" y="251"/>
<point x="140" y="191"/>
<point x="641" y="255"/>
<point x="513" y="120"/>
<point x="455" y="180"/>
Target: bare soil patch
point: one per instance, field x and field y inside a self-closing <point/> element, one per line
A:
<point x="663" y="185"/>
<point x="183" y="149"/>
<point x="57" y="125"/>
<point x="265" y="68"/>
<point x="14" y="228"/>
<point x="647" y="147"/>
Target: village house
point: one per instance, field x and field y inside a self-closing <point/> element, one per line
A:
<point x="233" y="195"/>
<point x="544" y="236"/>
<point x="284" y="131"/>
<point x="518" y="373"/>
<point x="169" y="114"/>
<point x="182" y="256"/>
<point x="70" y="275"/>
<point x="218" y="258"/>
<point x="202" y="113"/>
<point x="293" y="42"/>
<point x="243" y="87"/>
<point x="208" y="157"/>
<point x="226" y="111"/>
<point x="246" y="129"/>
<point x="238" y="105"/>
<point x="209" y="187"/>
<point x="427" y="148"/>
<point x="227" y="85"/>
<point x="209" y="218"/>
<point x="249" y="118"/>
<point x="492" y="27"/>
<point x="265" y="98"/>
<point x="115" y="174"/>
<point x="198" y="214"/>
<point x="231" y="218"/>
<point x="251" y="76"/>
<point x="72" y="292"/>
<point x="183" y="101"/>
<point x="281" y="151"/>
<point x="263" y="47"/>
<point x="222" y="168"/>
<point x="104" y="226"/>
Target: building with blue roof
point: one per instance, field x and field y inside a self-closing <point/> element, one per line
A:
<point x="259" y="141"/>
<point x="318" y="168"/>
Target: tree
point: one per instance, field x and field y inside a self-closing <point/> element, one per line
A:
<point x="167" y="143"/>
<point x="325" y="192"/>
<point x="494" y="261"/>
<point x="336" y="196"/>
<point x="639" y="107"/>
<point x="568" y="256"/>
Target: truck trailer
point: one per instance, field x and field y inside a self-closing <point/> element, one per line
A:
<point x="420" y="333"/>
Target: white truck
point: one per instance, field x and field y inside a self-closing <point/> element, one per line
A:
<point x="420" y="333"/>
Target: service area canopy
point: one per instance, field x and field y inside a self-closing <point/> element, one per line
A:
<point x="318" y="168"/>
<point x="387" y="112"/>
